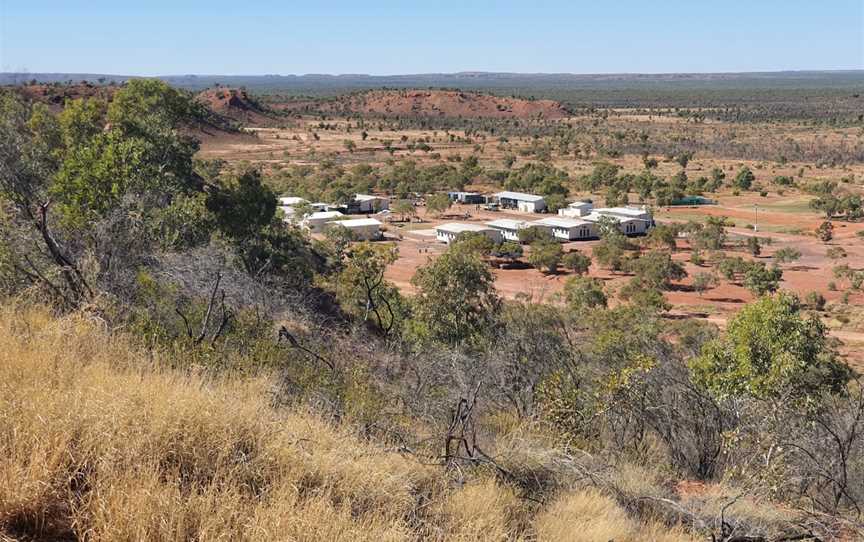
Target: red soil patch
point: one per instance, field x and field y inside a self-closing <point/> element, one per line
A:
<point x="446" y="103"/>
<point x="237" y="105"/>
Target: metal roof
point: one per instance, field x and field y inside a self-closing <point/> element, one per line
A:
<point x="321" y="215"/>
<point x="368" y="197"/>
<point x="507" y="224"/>
<point x="560" y="222"/>
<point x="520" y="196"/>
<point x="357" y="222"/>
<point x="459" y="227"/>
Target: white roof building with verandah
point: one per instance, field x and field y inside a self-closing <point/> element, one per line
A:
<point x="447" y="233"/>
<point x="316" y="222"/>
<point x="364" y="229"/>
<point x="631" y="221"/>
<point x="568" y="229"/>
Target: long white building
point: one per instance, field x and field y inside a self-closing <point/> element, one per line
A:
<point x="527" y="203"/>
<point x="568" y="229"/>
<point x="447" y="233"/>
<point x="364" y="229"/>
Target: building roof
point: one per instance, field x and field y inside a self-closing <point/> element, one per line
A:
<point x="507" y="224"/>
<point x="290" y="200"/>
<point x="596" y="216"/>
<point x="634" y="212"/>
<point x="323" y="215"/>
<point x="561" y="222"/>
<point x="357" y="222"/>
<point x="580" y="204"/>
<point x="460" y="227"/>
<point x="520" y="196"/>
<point x="368" y="197"/>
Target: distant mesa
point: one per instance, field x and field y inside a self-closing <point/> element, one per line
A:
<point x="445" y="103"/>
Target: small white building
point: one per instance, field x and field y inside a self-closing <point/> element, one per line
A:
<point x="368" y="203"/>
<point x="447" y="233"/>
<point x="317" y="221"/>
<point x="568" y="229"/>
<point x="290" y="201"/>
<point x="286" y="204"/>
<point x="508" y="227"/>
<point x="364" y="229"/>
<point x="576" y="209"/>
<point x="527" y="203"/>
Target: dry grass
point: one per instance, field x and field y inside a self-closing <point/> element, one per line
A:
<point x="589" y="516"/>
<point x="98" y="442"/>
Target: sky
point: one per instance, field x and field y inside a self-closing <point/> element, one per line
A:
<point x="253" y="37"/>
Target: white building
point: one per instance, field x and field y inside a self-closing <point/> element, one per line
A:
<point x="447" y="233"/>
<point x="367" y="203"/>
<point x="317" y="221"/>
<point x="364" y="229"/>
<point x="508" y="227"/>
<point x="631" y="220"/>
<point x="290" y="201"/>
<point x="286" y="204"/>
<point x="527" y="203"/>
<point x="576" y="209"/>
<point x="568" y="229"/>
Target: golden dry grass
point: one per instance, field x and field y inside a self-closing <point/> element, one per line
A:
<point x="97" y="442"/>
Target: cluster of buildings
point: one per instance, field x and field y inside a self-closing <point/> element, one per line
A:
<point x="323" y="215"/>
<point x="578" y="221"/>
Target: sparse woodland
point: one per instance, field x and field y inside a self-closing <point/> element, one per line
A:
<point x="177" y="362"/>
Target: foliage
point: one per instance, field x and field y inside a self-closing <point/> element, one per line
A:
<point x="582" y="293"/>
<point x="545" y="255"/>
<point x="438" y="203"/>
<point x="771" y="350"/>
<point x="761" y="279"/>
<point x="456" y="300"/>
<point x="576" y="262"/>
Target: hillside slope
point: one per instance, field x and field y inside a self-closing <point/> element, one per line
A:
<point x="97" y="442"/>
<point x="446" y="103"/>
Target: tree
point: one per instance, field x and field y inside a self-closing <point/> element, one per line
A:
<point x="703" y="281"/>
<point x="663" y="236"/>
<point x="456" y="301"/>
<point x="657" y="270"/>
<point x="545" y="254"/>
<point x="787" y="255"/>
<point x="761" y="279"/>
<point x="350" y="146"/>
<point x="361" y="288"/>
<point x="438" y="203"/>
<point x="754" y="247"/>
<point x="582" y="293"/>
<point x="825" y="231"/>
<point x="577" y="262"/>
<point x="744" y="179"/>
<point x="532" y="234"/>
<point x="771" y="351"/>
<point x="508" y="250"/>
<point x="243" y="206"/>
<point x="405" y="208"/>
<point x="473" y="243"/>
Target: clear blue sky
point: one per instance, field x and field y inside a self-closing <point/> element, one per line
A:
<point x="168" y="37"/>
